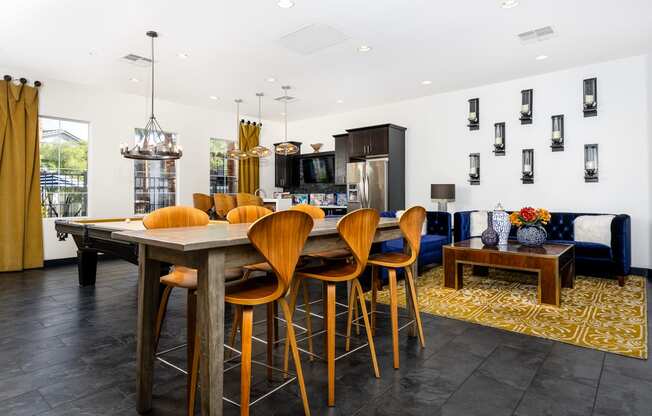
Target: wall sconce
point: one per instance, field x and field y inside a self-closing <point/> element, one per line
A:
<point x="590" y="100"/>
<point x="499" y="139"/>
<point x="528" y="166"/>
<point x="591" y="162"/>
<point x="526" y="106"/>
<point x="557" y="133"/>
<point x="474" y="114"/>
<point x="474" y="168"/>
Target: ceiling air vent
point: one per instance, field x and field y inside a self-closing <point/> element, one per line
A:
<point x="312" y="38"/>
<point x="536" y="35"/>
<point x="137" y="60"/>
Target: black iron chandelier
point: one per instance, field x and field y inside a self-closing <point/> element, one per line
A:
<point x="153" y="144"/>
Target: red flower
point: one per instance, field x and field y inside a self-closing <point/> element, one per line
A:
<point x="529" y="214"/>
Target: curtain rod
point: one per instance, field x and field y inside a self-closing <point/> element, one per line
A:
<point x="23" y="81"/>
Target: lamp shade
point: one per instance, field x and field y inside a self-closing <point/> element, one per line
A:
<point x="442" y="191"/>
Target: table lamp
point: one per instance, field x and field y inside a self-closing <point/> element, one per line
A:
<point x="443" y="194"/>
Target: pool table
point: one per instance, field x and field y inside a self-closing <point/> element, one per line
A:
<point x="93" y="236"/>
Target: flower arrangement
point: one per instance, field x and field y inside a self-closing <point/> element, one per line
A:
<point x="529" y="216"/>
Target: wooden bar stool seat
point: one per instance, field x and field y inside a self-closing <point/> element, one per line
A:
<point x="186" y="278"/>
<point x="395" y="260"/>
<point x="411" y="223"/>
<point x="357" y="229"/>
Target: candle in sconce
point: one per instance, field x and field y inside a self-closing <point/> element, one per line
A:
<point x="472" y="116"/>
<point x="525" y="108"/>
<point x="473" y="171"/>
<point x="499" y="140"/>
<point x="589" y="99"/>
<point x="590" y="165"/>
<point x="556" y="134"/>
<point x="527" y="168"/>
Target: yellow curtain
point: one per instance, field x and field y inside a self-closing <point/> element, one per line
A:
<point x="248" y="179"/>
<point x="21" y="226"/>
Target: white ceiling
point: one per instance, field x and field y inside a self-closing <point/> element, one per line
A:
<point x="233" y="46"/>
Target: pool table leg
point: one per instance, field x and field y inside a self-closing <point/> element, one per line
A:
<point x="87" y="267"/>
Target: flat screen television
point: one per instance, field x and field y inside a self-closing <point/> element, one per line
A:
<point x="318" y="169"/>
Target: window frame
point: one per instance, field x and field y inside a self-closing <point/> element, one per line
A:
<point x="210" y="160"/>
<point x="88" y="164"/>
<point x="175" y="137"/>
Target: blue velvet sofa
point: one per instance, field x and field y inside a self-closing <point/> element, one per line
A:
<point x="591" y="259"/>
<point x="438" y="234"/>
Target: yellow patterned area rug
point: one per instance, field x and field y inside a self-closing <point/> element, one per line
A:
<point x="596" y="313"/>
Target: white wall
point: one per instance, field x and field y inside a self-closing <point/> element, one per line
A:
<point x="438" y="144"/>
<point x="113" y="117"/>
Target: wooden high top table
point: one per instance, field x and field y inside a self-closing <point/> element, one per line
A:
<point x="553" y="263"/>
<point x="210" y="250"/>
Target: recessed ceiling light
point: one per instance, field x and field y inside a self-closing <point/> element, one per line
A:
<point x="182" y="55"/>
<point x="285" y="4"/>
<point x="508" y="4"/>
<point x="364" y="48"/>
<point x="271" y="79"/>
<point x="213" y="97"/>
<point x="339" y="101"/>
<point x="134" y="80"/>
<point x="426" y="82"/>
<point x="541" y="57"/>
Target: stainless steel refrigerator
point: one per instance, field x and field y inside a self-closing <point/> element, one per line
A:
<point x="366" y="184"/>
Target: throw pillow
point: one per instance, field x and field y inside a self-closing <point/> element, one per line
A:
<point x="478" y="223"/>
<point x="593" y="229"/>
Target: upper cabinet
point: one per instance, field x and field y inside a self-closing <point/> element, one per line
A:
<point x="341" y="157"/>
<point x="372" y="141"/>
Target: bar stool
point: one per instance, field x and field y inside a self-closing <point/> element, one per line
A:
<point x="411" y="223"/>
<point x="181" y="277"/>
<point x="357" y="229"/>
<point x="204" y="203"/>
<point x="279" y="238"/>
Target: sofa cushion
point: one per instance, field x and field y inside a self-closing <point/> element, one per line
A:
<point x="427" y="242"/>
<point x="587" y="250"/>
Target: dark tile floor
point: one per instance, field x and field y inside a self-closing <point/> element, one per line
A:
<point x="66" y="350"/>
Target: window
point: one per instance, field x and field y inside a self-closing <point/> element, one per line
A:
<point x="64" y="167"/>
<point x="223" y="171"/>
<point x="155" y="181"/>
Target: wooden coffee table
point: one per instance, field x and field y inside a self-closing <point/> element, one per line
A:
<point x="553" y="263"/>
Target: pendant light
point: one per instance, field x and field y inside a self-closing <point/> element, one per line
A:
<point x="236" y="153"/>
<point x="153" y="144"/>
<point x="286" y="148"/>
<point x="259" y="151"/>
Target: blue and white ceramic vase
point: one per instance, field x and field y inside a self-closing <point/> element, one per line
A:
<point x="502" y="225"/>
<point x="531" y="235"/>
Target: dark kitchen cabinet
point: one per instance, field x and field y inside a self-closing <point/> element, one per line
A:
<point x="287" y="169"/>
<point x="341" y="157"/>
<point x="371" y="141"/>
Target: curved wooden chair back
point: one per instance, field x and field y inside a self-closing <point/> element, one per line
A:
<point x="411" y="224"/>
<point x="246" y="214"/>
<point x="358" y="229"/>
<point x="248" y="199"/>
<point x="202" y="201"/>
<point x="280" y="237"/>
<point x="177" y="216"/>
<point x="315" y="212"/>
<point x="223" y="204"/>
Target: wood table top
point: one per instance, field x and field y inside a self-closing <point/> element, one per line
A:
<point x="546" y="250"/>
<point x="217" y="235"/>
